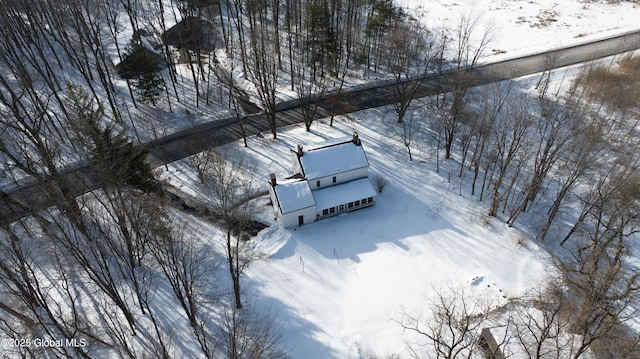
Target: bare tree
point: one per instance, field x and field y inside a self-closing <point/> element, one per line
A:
<point x="453" y="330"/>
<point x="85" y="246"/>
<point x="246" y="334"/>
<point x="35" y="146"/>
<point x="310" y="88"/>
<point x="494" y="101"/>
<point x="596" y="270"/>
<point x="263" y="68"/>
<point x="577" y="161"/>
<point x="88" y="23"/>
<point x="542" y="324"/>
<point x="380" y="182"/>
<point x="510" y="147"/>
<point x="410" y="58"/>
<point x="33" y="139"/>
<point x="159" y="27"/>
<point x="103" y="235"/>
<point x="187" y="266"/>
<point x="28" y="307"/>
<point x="200" y="161"/>
<point x="229" y="186"/>
<point x="469" y="43"/>
<point x="550" y="60"/>
<point x="436" y="130"/>
<point x="406" y="130"/>
<point x="559" y="124"/>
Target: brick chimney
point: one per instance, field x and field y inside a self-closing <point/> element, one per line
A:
<point x="300" y="152"/>
<point x="356" y="140"/>
<point x="272" y="179"/>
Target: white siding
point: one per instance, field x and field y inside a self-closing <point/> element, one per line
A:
<point x="305" y="198"/>
<point x="290" y="220"/>
<point x="333" y="197"/>
<point x="342" y="177"/>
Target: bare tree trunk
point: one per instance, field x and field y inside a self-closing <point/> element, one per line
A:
<point x="234" y="269"/>
<point x="263" y="71"/>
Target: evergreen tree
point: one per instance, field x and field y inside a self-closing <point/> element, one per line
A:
<point x="323" y="41"/>
<point x="142" y="67"/>
<point x="118" y="160"/>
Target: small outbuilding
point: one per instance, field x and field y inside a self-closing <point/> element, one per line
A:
<point x="489" y="346"/>
<point x="139" y="61"/>
<point x="191" y="33"/>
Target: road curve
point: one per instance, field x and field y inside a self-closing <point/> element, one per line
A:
<point x="196" y="139"/>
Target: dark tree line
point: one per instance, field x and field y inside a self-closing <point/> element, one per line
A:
<point x="317" y="45"/>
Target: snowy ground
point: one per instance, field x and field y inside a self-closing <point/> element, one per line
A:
<point x="528" y="26"/>
<point x="339" y="285"/>
<point x="342" y="282"/>
<point x="519" y="27"/>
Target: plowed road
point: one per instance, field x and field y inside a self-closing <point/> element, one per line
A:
<point x="199" y="138"/>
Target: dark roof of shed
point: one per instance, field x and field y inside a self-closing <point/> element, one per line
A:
<point x="127" y="67"/>
<point x="191" y="33"/>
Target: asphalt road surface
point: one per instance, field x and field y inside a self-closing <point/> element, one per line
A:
<point x="196" y="139"/>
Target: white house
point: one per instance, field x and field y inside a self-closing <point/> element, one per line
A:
<point x="328" y="180"/>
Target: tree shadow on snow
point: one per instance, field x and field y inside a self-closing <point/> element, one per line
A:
<point x="300" y="334"/>
<point x="396" y="215"/>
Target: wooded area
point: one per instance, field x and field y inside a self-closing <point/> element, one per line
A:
<point x="89" y="267"/>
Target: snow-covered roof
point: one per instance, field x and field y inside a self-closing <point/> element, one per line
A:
<point x="344" y="193"/>
<point x="294" y="195"/>
<point x="334" y="158"/>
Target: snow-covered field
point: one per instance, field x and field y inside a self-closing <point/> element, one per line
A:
<point x="528" y="26"/>
<point x="342" y="282"/>
<point x="339" y="286"/>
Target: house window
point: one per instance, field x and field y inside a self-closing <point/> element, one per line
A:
<point x="370" y="199"/>
<point x="364" y="201"/>
<point x="325" y="212"/>
<point x="334" y="179"/>
<point x="350" y="205"/>
<point x="341" y="207"/>
<point x="357" y="203"/>
<point x="332" y="210"/>
<point x="318" y="183"/>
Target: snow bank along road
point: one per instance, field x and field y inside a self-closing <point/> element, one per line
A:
<point x="17" y="202"/>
